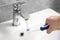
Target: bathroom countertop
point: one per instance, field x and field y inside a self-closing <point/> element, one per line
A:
<point x="36" y="20"/>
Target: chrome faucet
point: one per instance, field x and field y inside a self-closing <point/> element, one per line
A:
<point x="17" y="14"/>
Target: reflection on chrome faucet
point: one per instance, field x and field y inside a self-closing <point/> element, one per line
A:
<point x="17" y="13"/>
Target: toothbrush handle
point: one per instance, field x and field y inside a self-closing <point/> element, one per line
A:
<point x="44" y="28"/>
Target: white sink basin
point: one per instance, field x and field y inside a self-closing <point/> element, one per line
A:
<point x="37" y="19"/>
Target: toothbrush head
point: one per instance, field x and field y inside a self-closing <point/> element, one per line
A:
<point x="27" y="29"/>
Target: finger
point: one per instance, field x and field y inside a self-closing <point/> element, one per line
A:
<point x="58" y="28"/>
<point x="50" y="29"/>
<point x="47" y="21"/>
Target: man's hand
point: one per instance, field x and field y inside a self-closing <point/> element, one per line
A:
<point x="54" y="22"/>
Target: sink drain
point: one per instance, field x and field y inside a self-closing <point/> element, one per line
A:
<point x="21" y="34"/>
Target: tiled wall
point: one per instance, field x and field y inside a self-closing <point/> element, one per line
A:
<point x="30" y="7"/>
